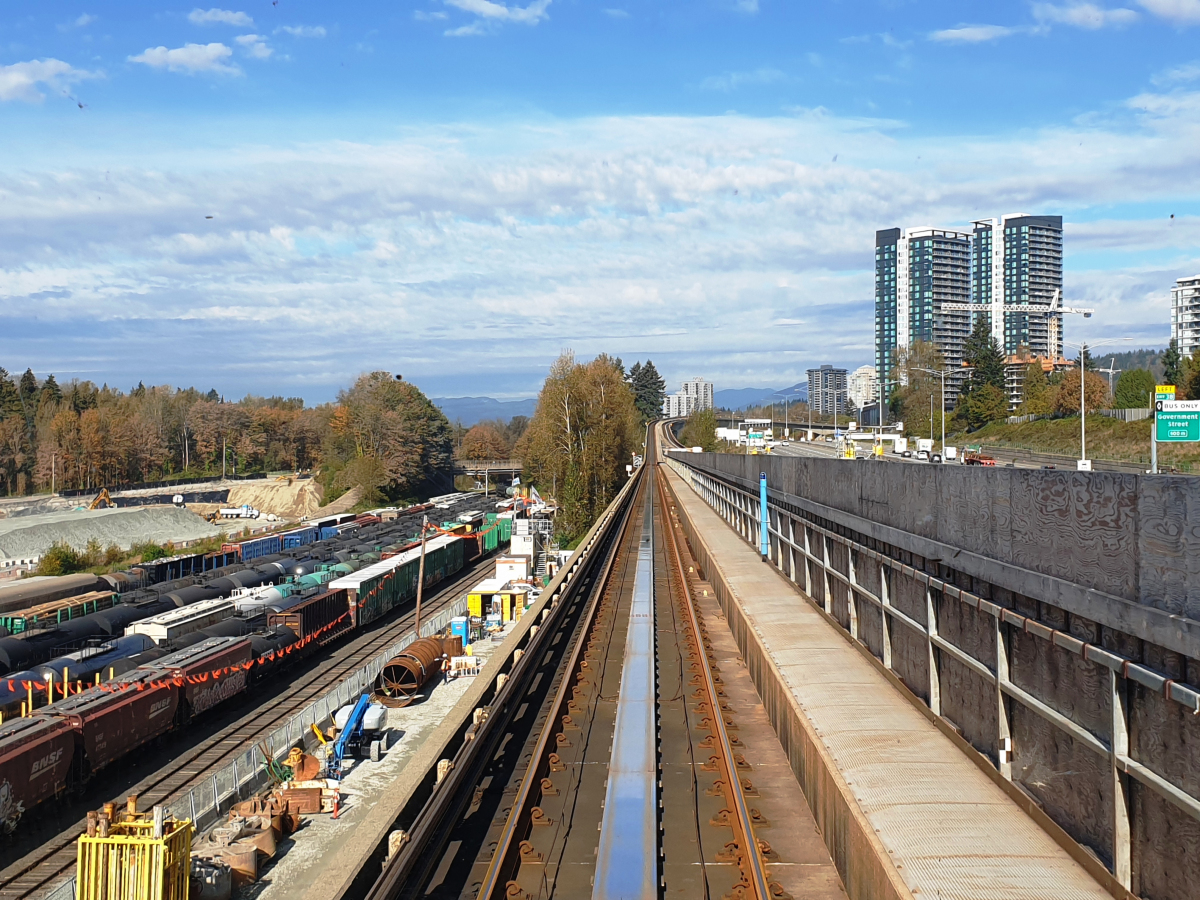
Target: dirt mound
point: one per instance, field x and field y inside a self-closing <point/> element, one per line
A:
<point x="300" y="497"/>
<point x="342" y="504"/>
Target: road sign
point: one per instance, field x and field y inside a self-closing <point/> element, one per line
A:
<point x="1177" y="420"/>
<point x="1164" y="392"/>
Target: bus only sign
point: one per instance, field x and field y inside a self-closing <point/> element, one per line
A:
<point x="1177" y="420"/>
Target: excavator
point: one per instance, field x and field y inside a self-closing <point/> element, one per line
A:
<point x="102" y="500"/>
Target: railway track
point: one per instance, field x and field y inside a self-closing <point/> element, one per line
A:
<point x="612" y="761"/>
<point x="42" y="868"/>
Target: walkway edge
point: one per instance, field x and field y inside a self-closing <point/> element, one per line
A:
<point x="860" y="858"/>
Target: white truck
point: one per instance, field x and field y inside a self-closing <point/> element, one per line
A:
<point x="245" y="511"/>
<point x="924" y="448"/>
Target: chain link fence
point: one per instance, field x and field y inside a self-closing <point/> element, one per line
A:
<point x="205" y="802"/>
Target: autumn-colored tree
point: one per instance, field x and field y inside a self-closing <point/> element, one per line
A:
<point x="700" y="430"/>
<point x="918" y="390"/>
<point x="391" y="422"/>
<point x="584" y="432"/>
<point x="1066" y="399"/>
<point x="1037" y="398"/>
<point x="484" y="441"/>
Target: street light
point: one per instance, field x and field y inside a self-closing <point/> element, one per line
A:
<point x="942" y="373"/>
<point x="785" y="409"/>
<point x="1083" y="347"/>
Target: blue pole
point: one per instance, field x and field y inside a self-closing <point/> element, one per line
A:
<point x="762" y="509"/>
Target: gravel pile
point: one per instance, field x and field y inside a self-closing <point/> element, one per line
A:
<point x="28" y="537"/>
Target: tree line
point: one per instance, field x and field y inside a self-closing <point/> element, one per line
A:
<point x="382" y="435"/>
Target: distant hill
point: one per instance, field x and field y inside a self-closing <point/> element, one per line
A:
<point x="471" y="410"/>
<point x="745" y="398"/>
<point x="1131" y="359"/>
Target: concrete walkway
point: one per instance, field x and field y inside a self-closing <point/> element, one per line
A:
<point x="904" y="812"/>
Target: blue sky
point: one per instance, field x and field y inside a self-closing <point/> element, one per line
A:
<point x="456" y="190"/>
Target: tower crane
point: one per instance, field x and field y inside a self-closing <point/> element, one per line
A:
<point x="1051" y="313"/>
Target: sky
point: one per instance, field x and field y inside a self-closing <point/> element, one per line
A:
<point x="273" y="197"/>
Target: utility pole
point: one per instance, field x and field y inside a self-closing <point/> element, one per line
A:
<point x="222" y="457"/>
<point x="421" y="572"/>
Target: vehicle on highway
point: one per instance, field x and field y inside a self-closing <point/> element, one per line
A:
<point x="922" y="454"/>
<point x="936" y="457"/>
<point x="907" y="454"/>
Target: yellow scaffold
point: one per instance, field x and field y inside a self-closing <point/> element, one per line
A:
<point x="131" y="863"/>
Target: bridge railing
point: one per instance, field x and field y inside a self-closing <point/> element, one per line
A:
<point x="1091" y="716"/>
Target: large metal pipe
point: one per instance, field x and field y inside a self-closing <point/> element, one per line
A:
<point x="401" y="677"/>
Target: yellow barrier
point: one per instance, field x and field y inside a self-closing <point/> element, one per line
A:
<point x="131" y="864"/>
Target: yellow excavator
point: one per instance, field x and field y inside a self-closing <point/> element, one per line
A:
<point x="102" y="500"/>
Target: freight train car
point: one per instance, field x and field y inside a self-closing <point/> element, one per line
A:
<point x="255" y="548"/>
<point x="309" y="617"/>
<point x="35" y="765"/>
<point x="376" y="590"/>
<point x="299" y="537"/>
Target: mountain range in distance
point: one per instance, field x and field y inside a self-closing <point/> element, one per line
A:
<point x="468" y="411"/>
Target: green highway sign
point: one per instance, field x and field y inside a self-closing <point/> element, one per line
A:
<point x="1177" y="420"/>
<point x="1164" y="392"/>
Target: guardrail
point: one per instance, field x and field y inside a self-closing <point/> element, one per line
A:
<point x="245" y="776"/>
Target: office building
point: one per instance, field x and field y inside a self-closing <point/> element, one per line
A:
<point x="691" y="397"/>
<point x="1016" y="260"/>
<point x="862" y="386"/>
<point x="827" y="390"/>
<point x="919" y="274"/>
<point x="1185" y="314"/>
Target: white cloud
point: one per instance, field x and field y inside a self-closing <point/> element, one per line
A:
<point x="306" y="31"/>
<point x="255" y="46"/>
<point x="1181" y="12"/>
<point x="1083" y="15"/>
<point x="1186" y="72"/>
<point x="616" y="13"/>
<point x="731" y="81"/>
<point x="190" y="58"/>
<point x="599" y="234"/>
<point x="423" y="16"/>
<point x="20" y="80"/>
<point x="746" y="6"/>
<point x="84" y="20"/>
<point x="219" y="17"/>
<point x="973" y="34"/>
<point x="500" y="12"/>
<point x="476" y="27"/>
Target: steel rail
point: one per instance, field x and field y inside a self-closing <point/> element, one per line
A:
<point x="750" y="859"/>
<point x="409" y="871"/>
<point x="506" y="858"/>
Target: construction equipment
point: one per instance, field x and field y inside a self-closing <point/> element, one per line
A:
<point x="129" y="854"/>
<point x="102" y="500"/>
<point x="1051" y="312"/>
<point x="361" y="727"/>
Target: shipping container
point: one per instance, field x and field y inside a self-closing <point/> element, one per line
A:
<point x="35" y="762"/>
<point x="112" y="722"/>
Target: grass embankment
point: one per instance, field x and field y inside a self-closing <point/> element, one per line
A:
<point x="1107" y="438"/>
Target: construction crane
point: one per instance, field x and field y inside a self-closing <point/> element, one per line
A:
<point x="1051" y="313"/>
<point x="1110" y="371"/>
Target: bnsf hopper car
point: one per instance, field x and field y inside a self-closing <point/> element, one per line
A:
<point x="211" y="672"/>
<point x="35" y="765"/>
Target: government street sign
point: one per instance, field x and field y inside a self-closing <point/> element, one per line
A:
<point x="1177" y="420"/>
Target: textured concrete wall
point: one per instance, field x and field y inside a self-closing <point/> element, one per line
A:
<point x="1102" y="535"/>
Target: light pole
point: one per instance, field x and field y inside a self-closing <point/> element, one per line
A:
<point x="786" y="428"/>
<point x="1083" y="347"/>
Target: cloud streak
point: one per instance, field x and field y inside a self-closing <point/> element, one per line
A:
<point x="190" y="59"/>
<point x="21" y="81"/>
<point x="973" y="34"/>
<point x="220" y="17"/>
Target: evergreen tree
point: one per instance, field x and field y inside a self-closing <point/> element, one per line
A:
<point x="51" y="390"/>
<point x="1036" y="395"/>
<point x="1172" y="363"/>
<point x="983" y="354"/>
<point x="28" y="386"/>
<point x="10" y="402"/>
<point x="648" y="389"/>
<point x="1134" y="389"/>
